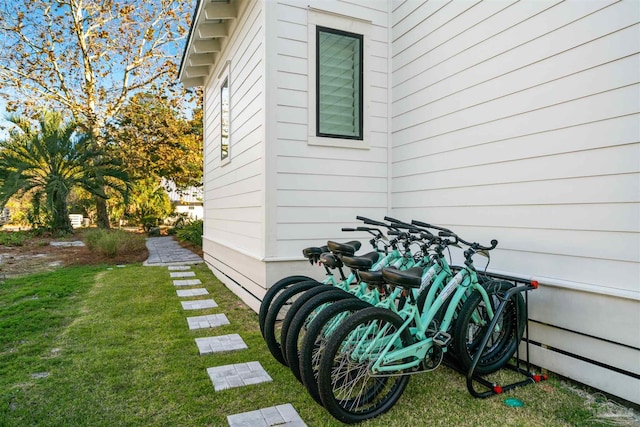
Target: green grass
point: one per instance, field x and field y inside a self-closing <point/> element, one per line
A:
<point x="119" y="352"/>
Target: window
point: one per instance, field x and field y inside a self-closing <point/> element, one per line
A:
<point x="224" y="119"/>
<point x="339" y="80"/>
<point x="339" y="84"/>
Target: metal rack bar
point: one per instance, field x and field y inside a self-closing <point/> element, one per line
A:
<point x="530" y="378"/>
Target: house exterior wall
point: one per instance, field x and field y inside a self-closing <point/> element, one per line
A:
<point x="233" y="240"/>
<point x="503" y="119"/>
<point x="519" y="121"/>
<point x="318" y="189"/>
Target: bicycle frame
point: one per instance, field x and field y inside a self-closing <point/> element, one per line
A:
<point x="388" y="361"/>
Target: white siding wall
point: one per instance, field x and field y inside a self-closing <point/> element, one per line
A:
<point x="234" y="192"/>
<point x="520" y="121"/>
<point x="316" y="190"/>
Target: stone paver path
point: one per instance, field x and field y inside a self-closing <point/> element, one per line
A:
<point x="281" y="415"/>
<point x="238" y="375"/>
<point x="182" y="274"/>
<point x="209" y="321"/>
<point x="199" y="304"/>
<point x="165" y="250"/>
<point x="188" y="282"/>
<point x="192" y="292"/>
<point x="221" y="343"/>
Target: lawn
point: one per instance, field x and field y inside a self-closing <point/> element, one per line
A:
<point x="103" y="346"/>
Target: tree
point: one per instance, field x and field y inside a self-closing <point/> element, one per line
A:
<point x="89" y="56"/>
<point x="152" y="138"/>
<point x="50" y="160"/>
<point x="148" y="203"/>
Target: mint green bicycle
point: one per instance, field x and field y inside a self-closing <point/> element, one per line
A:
<point x="368" y="360"/>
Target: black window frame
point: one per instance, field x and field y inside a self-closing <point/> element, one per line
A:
<point x="360" y="38"/>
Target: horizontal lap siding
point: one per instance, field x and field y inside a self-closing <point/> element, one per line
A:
<point x="520" y="121"/>
<point x="234" y="192"/>
<point x="317" y="189"/>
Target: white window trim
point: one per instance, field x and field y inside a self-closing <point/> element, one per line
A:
<point x="225" y="73"/>
<point x="351" y="25"/>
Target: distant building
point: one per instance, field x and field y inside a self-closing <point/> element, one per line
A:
<point x="187" y="201"/>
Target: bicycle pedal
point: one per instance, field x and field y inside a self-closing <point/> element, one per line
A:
<point x="441" y="339"/>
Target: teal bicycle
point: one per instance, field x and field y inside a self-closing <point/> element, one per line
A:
<point x="285" y="302"/>
<point x="317" y="324"/>
<point x="368" y="360"/>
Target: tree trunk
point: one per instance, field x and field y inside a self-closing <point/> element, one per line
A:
<point x="102" y="215"/>
<point x="60" y="213"/>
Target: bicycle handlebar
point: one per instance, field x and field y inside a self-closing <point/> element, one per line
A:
<point x="424" y="224"/>
<point x="401" y="224"/>
<point x="474" y="245"/>
<point x="371" y="221"/>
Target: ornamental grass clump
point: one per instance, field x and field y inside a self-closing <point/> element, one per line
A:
<point x="112" y="243"/>
<point x="13" y="238"/>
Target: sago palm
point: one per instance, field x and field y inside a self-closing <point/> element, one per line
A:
<point x="50" y="160"/>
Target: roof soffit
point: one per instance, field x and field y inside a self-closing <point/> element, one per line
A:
<point x="208" y="34"/>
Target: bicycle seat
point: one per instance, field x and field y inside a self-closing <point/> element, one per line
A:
<point x="330" y="260"/>
<point x="313" y="253"/>
<point x="348" y="248"/>
<point x="363" y="262"/>
<point x="410" y="278"/>
<point x="371" y="277"/>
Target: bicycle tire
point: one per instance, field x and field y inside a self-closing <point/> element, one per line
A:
<point x="315" y="340"/>
<point x="276" y="314"/>
<point x="273" y="291"/>
<point x="347" y="389"/>
<point x="503" y="344"/>
<point x="299" y="302"/>
<point x="301" y="321"/>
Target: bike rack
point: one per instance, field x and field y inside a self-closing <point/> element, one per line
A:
<point x="493" y="389"/>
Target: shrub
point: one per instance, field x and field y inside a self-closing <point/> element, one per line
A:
<point x="191" y="233"/>
<point x="111" y="243"/>
<point x="13" y="238"/>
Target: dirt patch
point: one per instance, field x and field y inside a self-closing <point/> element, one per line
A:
<point x="38" y="255"/>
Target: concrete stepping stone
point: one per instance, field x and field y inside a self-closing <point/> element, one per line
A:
<point x="281" y="415"/>
<point x="209" y="321"/>
<point x="188" y="282"/>
<point x="238" y="375"/>
<point x="179" y="267"/>
<point x="221" y="343"/>
<point x="198" y="304"/>
<point x="182" y="274"/>
<point x="192" y="292"/>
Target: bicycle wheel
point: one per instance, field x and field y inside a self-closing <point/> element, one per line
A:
<point x="299" y="302"/>
<point x="473" y="321"/>
<point x="301" y="320"/>
<point x="316" y="337"/>
<point x="273" y="291"/>
<point x="348" y="389"/>
<point x="278" y="311"/>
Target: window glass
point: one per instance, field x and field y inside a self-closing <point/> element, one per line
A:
<point x="339" y="84"/>
<point x="224" y="119"/>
